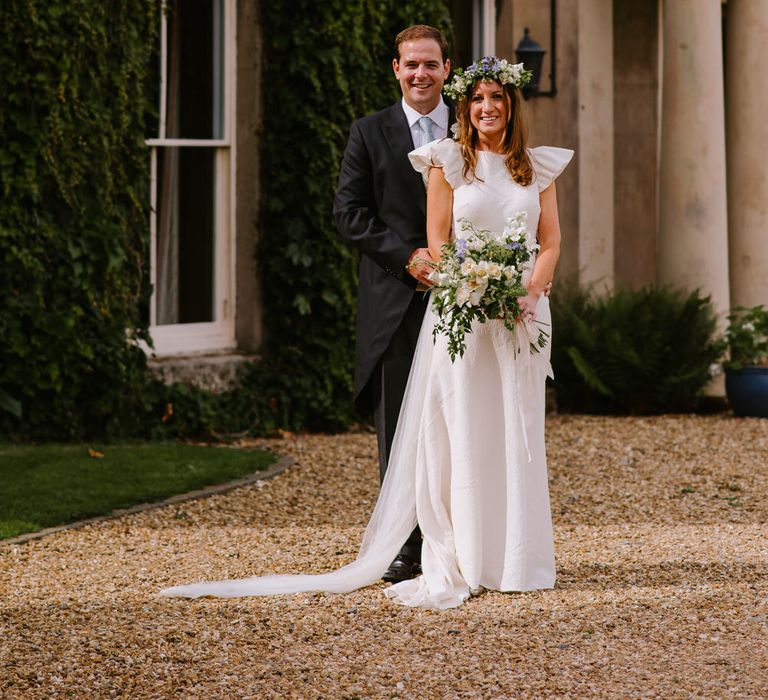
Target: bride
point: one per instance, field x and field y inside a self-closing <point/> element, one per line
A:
<point x="468" y="460"/>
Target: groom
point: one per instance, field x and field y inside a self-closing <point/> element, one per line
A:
<point x="380" y="207"/>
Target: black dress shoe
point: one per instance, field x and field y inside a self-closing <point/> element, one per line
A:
<point x="403" y="567"/>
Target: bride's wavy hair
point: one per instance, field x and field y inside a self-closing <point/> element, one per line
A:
<point x="514" y="144"/>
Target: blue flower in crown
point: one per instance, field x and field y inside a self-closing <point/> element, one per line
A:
<point x="488" y="68"/>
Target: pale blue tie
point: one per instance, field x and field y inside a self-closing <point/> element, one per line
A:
<point x="426" y="126"/>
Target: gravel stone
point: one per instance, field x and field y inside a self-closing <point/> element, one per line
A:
<point x="661" y="534"/>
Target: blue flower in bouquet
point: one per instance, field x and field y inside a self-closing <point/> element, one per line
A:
<point x="461" y="249"/>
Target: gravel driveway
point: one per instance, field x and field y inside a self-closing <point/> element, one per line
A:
<point x="662" y="547"/>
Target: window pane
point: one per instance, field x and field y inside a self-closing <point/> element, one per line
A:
<point x="195" y="69"/>
<point x="186" y="183"/>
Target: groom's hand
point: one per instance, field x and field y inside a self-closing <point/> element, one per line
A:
<point x="418" y="266"/>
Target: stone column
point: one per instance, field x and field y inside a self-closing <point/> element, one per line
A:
<point x="594" y="153"/>
<point x="747" y="141"/>
<point x="693" y="224"/>
<point x="489" y="28"/>
<point x="483" y="28"/>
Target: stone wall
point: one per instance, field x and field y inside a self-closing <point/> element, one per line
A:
<point x="216" y="372"/>
<point x="636" y="133"/>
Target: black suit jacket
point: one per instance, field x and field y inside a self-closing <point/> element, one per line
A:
<point x="380" y="207"/>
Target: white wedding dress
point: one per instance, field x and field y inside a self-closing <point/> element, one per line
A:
<point x="468" y="460"/>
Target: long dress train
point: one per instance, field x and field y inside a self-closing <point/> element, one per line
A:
<point x="468" y="458"/>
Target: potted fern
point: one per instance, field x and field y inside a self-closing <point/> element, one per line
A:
<point x="746" y="370"/>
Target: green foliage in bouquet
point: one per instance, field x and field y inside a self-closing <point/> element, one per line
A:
<point x="631" y="352"/>
<point x="747" y="338"/>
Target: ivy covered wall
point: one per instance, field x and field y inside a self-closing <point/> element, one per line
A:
<point x="326" y="64"/>
<point x="73" y="212"/>
<point x="78" y="80"/>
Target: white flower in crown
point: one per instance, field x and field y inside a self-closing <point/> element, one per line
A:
<point x="487" y="68"/>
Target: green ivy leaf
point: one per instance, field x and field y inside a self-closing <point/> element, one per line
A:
<point x="9" y="404"/>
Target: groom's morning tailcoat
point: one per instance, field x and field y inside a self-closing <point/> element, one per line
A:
<point x="380" y="207"/>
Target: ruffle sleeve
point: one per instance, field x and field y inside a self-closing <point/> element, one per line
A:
<point x="548" y="162"/>
<point x="443" y="153"/>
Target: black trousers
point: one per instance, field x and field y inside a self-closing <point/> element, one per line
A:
<point x="388" y="384"/>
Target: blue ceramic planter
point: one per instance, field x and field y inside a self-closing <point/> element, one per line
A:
<point x="747" y="391"/>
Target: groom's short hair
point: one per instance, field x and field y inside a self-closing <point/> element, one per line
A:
<point x="422" y="31"/>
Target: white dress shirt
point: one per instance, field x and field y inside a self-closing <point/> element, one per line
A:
<point x="439" y="117"/>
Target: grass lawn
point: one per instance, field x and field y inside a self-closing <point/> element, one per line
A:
<point x="42" y="486"/>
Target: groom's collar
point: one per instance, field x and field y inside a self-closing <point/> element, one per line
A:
<point x="439" y="115"/>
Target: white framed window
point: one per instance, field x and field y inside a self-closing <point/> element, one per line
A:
<point x="192" y="180"/>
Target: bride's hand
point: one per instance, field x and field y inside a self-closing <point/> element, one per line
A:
<point x="528" y="302"/>
<point x="527" y="306"/>
<point x="420" y="266"/>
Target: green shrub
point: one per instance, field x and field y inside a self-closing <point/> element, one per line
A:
<point x="185" y="411"/>
<point x="747" y="337"/>
<point x="636" y="352"/>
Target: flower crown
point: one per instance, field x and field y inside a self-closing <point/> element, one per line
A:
<point x="488" y="68"/>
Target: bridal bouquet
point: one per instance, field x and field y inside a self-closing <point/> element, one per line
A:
<point x="480" y="277"/>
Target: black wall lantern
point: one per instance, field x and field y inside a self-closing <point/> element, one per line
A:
<point x="531" y="54"/>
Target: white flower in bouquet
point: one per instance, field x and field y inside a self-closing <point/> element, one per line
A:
<point x="480" y="276"/>
<point x="494" y="270"/>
